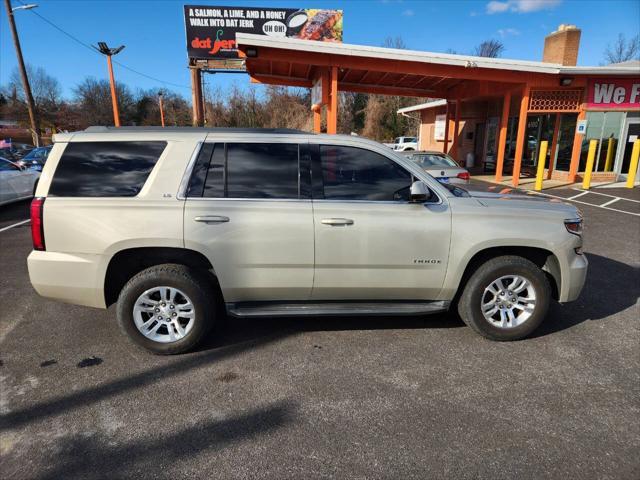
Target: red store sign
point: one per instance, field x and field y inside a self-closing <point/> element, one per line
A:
<point x="614" y="93"/>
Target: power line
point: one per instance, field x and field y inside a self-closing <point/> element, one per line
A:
<point x="89" y="47"/>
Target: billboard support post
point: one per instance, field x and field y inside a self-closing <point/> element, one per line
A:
<point x="196" y="90"/>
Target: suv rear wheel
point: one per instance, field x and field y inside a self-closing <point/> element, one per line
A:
<point x="166" y="309"/>
<point x="507" y="298"/>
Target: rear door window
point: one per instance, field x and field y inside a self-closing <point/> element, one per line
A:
<point x="104" y="169"/>
<point x="247" y="170"/>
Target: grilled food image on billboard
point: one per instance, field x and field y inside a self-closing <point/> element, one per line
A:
<point x="322" y="25"/>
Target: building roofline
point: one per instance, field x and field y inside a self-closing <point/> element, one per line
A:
<point x="423" y="106"/>
<point x="468" y="61"/>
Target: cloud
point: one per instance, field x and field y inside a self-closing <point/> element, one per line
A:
<point x="408" y="13"/>
<point x="520" y="6"/>
<point x="503" y="32"/>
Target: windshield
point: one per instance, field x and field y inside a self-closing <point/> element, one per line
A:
<point x="397" y="140"/>
<point x="433" y="160"/>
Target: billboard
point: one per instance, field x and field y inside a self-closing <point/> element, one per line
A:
<point x="211" y="31"/>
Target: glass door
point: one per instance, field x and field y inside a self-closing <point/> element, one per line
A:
<point x="491" y="137"/>
<point x="566" y="135"/>
<point x="631" y="134"/>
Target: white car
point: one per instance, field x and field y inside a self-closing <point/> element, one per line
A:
<point x="16" y="183"/>
<point x="405" y="144"/>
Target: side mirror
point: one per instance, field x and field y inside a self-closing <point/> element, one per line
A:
<point x="419" y="192"/>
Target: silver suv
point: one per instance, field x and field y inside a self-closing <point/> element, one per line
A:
<point x="180" y="225"/>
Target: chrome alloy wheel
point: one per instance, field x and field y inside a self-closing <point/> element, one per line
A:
<point x="508" y="301"/>
<point x="164" y="314"/>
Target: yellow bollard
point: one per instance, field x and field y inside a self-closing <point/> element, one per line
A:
<point x="541" y="159"/>
<point x="610" y="151"/>
<point x="586" y="182"/>
<point x="633" y="166"/>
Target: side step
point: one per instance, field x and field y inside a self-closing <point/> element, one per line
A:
<point x="283" y="309"/>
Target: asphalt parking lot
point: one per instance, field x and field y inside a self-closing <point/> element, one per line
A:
<point x="327" y="398"/>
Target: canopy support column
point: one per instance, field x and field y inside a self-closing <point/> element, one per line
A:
<point x="577" y="148"/>
<point x="332" y="108"/>
<point x="554" y="147"/>
<point x="456" y="132"/>
<point x="445" y="148"/>
<point x="522" y="126"/>
<point x="502" y="142"/>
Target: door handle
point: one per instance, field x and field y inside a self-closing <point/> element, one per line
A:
<point x="337" y="222"/>
<point x="212" y="219"/>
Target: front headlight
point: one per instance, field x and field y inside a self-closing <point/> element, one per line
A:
<point x="574" y="225"/>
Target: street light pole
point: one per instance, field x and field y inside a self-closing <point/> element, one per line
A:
<point x="161" y="108"/>
<point x="33" y="118"/>
<point x="114" y="97"/>
<point x="109" y="52"/>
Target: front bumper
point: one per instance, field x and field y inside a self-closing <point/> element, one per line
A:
<point x="574" y="279"/>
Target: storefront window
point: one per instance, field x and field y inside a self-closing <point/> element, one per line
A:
<point x="605" y="128"/>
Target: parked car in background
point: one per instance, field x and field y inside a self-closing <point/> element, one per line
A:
<point x="15" y="151"/>
<point x="441" y="166"/>
<point x="405" y="144"/>
<point x="36" y="158"/>
<point x="16" y="182"/>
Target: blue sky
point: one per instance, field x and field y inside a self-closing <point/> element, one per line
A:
<point x="153" y="32"/>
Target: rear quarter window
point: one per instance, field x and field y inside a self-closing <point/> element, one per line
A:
<point x="104" y="169"/>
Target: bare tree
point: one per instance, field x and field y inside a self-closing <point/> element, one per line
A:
<point x="623" y="50"/>
<point x="46" y="93"/>
<point x="92" y="100"/>
<point x="489" y="48"/>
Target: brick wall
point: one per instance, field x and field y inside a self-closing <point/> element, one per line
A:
<point x="562" y="46"/>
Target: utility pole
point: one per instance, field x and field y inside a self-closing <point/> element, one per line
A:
<point x="33" y="118"/>
<point x="109" y="52"/>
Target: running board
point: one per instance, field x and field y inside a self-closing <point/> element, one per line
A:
<point x="282" y="309"/>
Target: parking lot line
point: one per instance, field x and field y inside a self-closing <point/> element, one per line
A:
<point x="609" y="202"/>
<point x="14" y="225"/>
<point x="599" y="193"/>
<point x="578" y="195"/>
<point x="591" y="204"/>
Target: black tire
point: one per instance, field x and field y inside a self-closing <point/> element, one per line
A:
<point x="192" y="282"/>
<point x="469" y="305"/>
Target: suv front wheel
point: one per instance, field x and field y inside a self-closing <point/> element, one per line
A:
<point x="166" y="308"/>
<point x="507" y="298"/>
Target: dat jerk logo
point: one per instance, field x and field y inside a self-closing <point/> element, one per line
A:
<point x="215" y="46"/>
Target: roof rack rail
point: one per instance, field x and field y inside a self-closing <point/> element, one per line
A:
<point x="104" y="129"/>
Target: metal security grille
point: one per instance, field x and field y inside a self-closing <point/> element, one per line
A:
<point x="546" y="101"/>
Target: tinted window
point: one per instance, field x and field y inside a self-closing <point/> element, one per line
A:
<point x="104" y="169"/>
<point x="214" y="183"/>
<point x="262" y="170"/>
<point x="350" y="173"/>
<point x="199" y="174"/>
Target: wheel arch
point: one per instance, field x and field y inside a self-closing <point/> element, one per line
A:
<point x="543" y="258"/>
<point x="128" y="262"/>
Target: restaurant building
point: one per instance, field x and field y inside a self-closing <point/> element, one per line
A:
<point x="497" y="110"/>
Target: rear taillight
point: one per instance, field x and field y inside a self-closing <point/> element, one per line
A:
<point x="464" y="176"/>
<point x="37" y="226"/>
